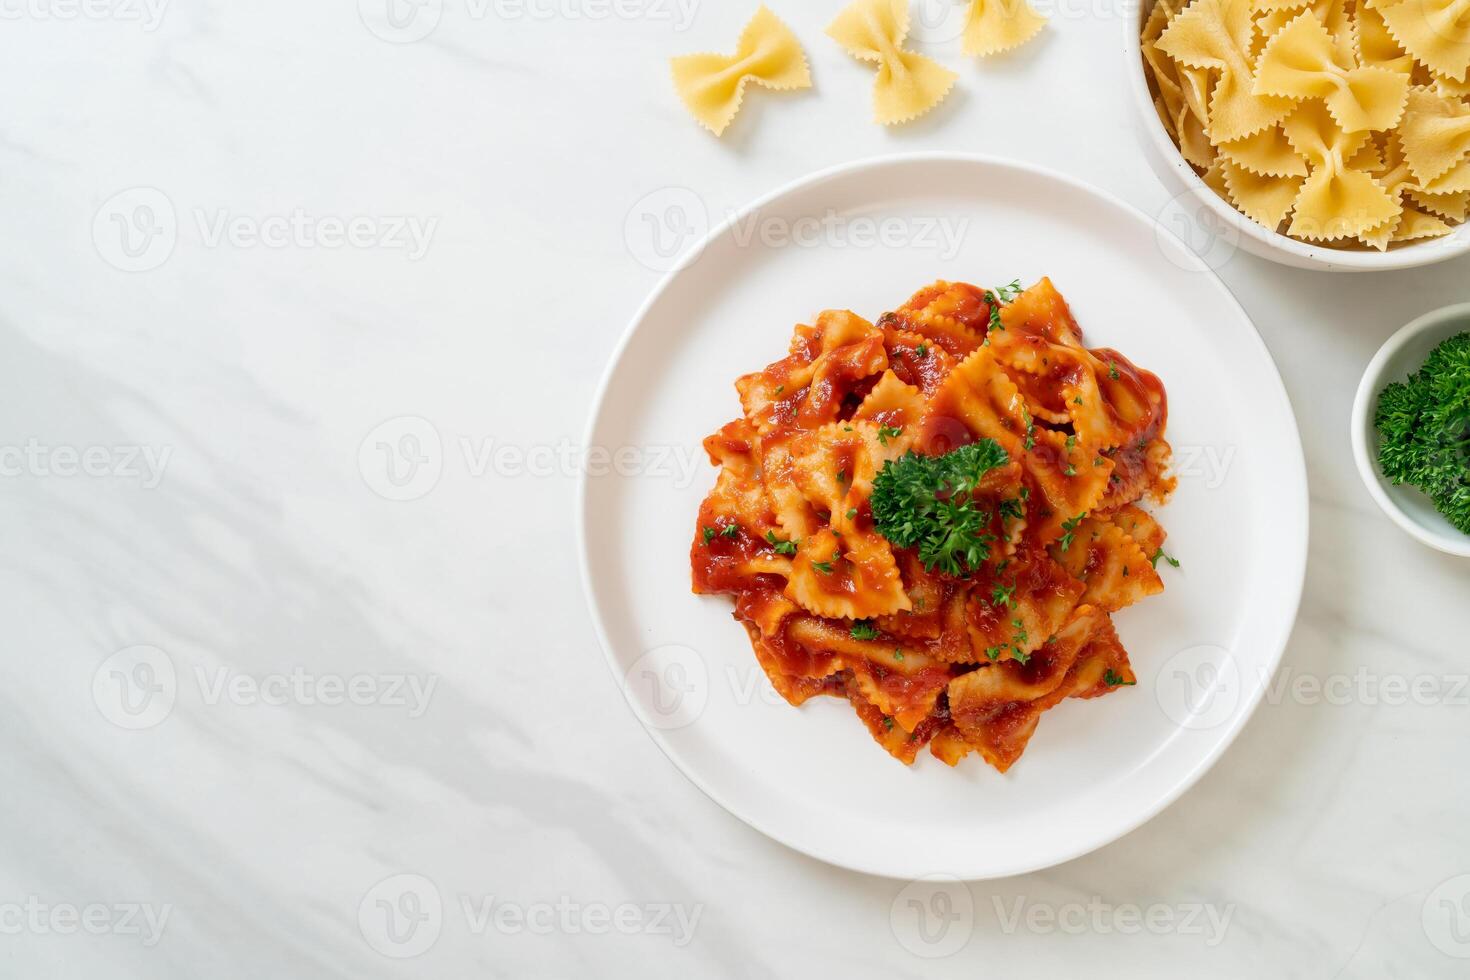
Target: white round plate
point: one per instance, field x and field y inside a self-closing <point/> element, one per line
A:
<point x="864" y="237"/>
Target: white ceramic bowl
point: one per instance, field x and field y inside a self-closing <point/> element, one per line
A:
<point x="1403" y="355"/>
<point x="1213" y="227"/>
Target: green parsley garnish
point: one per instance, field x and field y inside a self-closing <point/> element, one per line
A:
<point x="863" y="630"/>
<point x="1168" y="558"/>
<point x="886" y="432"/>
<point x="1112" y="679"/>
<point x="1112" y="370"/>
<point x="887" y="723"/>
<point x="1012" y="509"/>
<point x="852" y="513"/>
<point x="928" y="503"/>
<point x="825" y="567"/>
<point x="898" y="655"/>
<point x="1003" y="595"/>
<point x="732" y="531"/>
<point x="921" y="351"/>
<point x="709" y="534"/>
<point x="782" y="547"/>
<point x="1424" y="430"/>
<point x="1069" y="527"/>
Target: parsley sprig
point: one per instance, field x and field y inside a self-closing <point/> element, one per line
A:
<point x="1424" y="430"/>
<point x="928" y="503"/>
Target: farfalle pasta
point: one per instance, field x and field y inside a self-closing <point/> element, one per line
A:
<point x="712" y="86"/>
<point x="993" y="26"/>
<point x="1328" y="121"/>
<point x="977" y="410"/>
<point x="908" y="83"/>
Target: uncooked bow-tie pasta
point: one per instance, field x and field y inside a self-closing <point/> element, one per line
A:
<point x="934" y="517"/>
<point x="993" y="26"/>
<point x="1331" y="121"/>
<point x="713" y="85"/>
<point x="908" y="84"/>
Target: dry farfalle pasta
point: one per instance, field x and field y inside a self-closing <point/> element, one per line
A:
<point x="1340" y="122"/>
<point x="993" y="26"/>
<point x="713" y="85"/>
<point x="908" y="84"/>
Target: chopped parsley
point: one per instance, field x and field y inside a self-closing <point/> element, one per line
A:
<point x="709" y="534"/>
<point x="733" y="531"/>
<point x="928" y="503"/>
<point x="886" y="432"/>
<point x="1112" y="679"/>
<point x="1069" y="528"/>
<point x="1003" y="595"/>
<point x="862" y="629"/>
<point x="825" y="567"/>
<point x="1112" y="370"/>
<point x="852" y="513"/>
<point x="898" y="655"/>
<point x="921" y="351"/>
<point x="782" y="547"/>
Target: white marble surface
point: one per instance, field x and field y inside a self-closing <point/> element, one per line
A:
<point x="230" y="523"/>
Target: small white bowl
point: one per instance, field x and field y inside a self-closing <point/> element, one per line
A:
<point x="1403" y="355"/>
<point x="1211" y="222"/>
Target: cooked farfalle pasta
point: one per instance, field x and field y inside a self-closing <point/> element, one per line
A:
<point x="908" y="84"/>
<point x="1327" y="120"/>
<point x="712" y="86"/>
<point x="993" y="26"/>
<point x="962" y="656"/>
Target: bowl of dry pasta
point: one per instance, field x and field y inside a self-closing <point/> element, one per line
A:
<point x="1325" y="135"/>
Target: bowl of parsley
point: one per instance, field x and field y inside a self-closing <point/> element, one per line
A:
<point x="1411" y="429"/>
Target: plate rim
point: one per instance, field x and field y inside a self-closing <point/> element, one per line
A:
<point x="1293" y="445"/>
